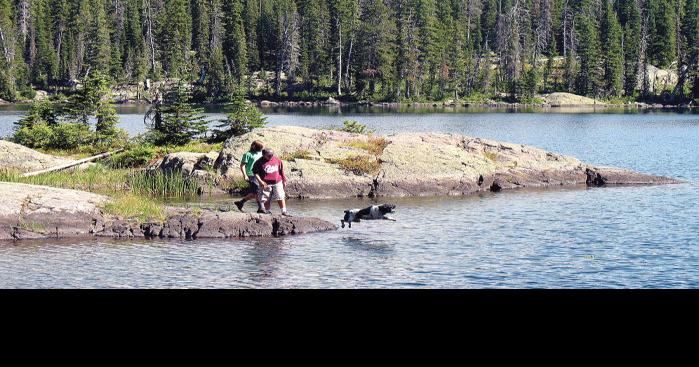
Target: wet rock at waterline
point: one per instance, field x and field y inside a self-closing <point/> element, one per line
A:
<point x="38" y="212"/>
<point x="213" y="224"/>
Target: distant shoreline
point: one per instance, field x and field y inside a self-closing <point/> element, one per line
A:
<point x="496" y="106"/>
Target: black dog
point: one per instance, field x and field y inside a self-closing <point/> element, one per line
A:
<point x="371" y="213"/>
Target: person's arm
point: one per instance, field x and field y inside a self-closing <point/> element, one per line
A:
<point x="243" y="164"/>
<point x="257" y="169"/>
<point x="261" y="181"/>
<point x="281" y="172"/>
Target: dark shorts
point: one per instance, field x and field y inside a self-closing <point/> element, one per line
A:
<point x="253" y="187"/>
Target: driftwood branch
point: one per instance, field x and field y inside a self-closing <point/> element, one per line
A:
<point x="72" y="164"/>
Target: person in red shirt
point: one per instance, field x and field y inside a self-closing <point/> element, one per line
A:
<point x="269" y="171"/>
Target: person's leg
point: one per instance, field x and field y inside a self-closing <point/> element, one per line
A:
<point x="281" y="199"/>
<point x="251" y="194"/>
<point x="258" y="195"/>
<point x="265" y="200"/>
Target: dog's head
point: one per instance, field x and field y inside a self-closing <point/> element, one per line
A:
<point x="348" y="218"/>
<point x="386" y="208"/>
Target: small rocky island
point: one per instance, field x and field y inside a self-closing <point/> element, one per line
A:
<point x="324" y="164"/>
<point x="320" y="164"/>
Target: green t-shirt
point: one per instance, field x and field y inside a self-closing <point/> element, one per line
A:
<point x="249" y="160"/>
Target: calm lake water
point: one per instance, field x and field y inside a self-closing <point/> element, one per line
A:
<point x="623" y="237"/>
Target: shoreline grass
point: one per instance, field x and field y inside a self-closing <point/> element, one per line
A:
<point x="358" y="164"/>
<point x="130" y="206"/>
<point x="373" y="145"/>
<point x="297" y="154"/>
<point x="103" y="180"/>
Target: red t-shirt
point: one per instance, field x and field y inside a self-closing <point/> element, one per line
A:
<point x="271" y="171"/>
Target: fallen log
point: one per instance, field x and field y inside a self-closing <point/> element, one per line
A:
<point x="72" y="164"/>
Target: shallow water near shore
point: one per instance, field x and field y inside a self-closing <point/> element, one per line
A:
<point x="618" y="237"/>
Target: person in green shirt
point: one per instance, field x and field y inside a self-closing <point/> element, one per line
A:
<point x="246" y="164"/>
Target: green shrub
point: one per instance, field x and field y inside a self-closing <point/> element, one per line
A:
<point x="7" y="87"/>
<point x="70" y="136"/>
<point x="37" y="136"/>
<point x="26" y="92"/>
<point x="138" y="156"/>
<point x="354" y="127"/>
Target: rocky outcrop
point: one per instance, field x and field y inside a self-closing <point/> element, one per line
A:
<point x="412" y="164"/>
<point x="28" y="212"/>
<point x="39" y="212"/>
<point x="658" y="79"/>
<point x="189" y="164"/>
<point x="560" y="99"/>
<point x="15" y="157"/>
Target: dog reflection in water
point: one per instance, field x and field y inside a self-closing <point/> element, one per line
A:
<point x="373" y="212"/>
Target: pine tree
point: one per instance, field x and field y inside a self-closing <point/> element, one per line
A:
<point x="202" y="16"/>
<point x="286" y="42"/>
<point x="93" y="99"/>
<point x="590" y="76"/>
<point x="43" y="59"/>
<point x="663" y="44"/>
<point x="548" y="70"/>
<point x="176" y="33"/>
<point x="218" y="81"/>
<point x="98" y="40"/>
<point x="377" y="53"/>
<point x="690" y="34"/>
<point x="428" y="44"/>
<point x="315" y="29"/>
<point x="251" y="17"/>
<point x="234" y="43"/>
<point x="7" y="47"/>
<point x="134" y="57"/>
<point x="174" y="120"/>
<point x="242" y="118"/>
<point x="613" y="55"/>
<point x="631" y="16"/>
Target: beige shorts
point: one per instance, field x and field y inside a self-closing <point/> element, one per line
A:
<point x="273" y="193"/>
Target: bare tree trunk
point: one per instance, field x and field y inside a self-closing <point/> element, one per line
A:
<point x="347" y="67"/>
<point x="643" y="62"/>
<point x="149" y="33"/>
<point x="6" y="49"/>
<point x="565" y="29"/>
<point x="682" y="68"/>
<point x="72" y="164"/>
<point x="24" y="19"/>
<point x="339" y="57"/>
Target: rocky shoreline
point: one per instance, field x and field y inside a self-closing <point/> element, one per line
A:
<point x="39" y="212"/>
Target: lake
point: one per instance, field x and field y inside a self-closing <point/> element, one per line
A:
<point x="621" y="237"/>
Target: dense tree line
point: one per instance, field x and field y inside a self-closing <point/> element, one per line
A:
<point x="360" y="49"/>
